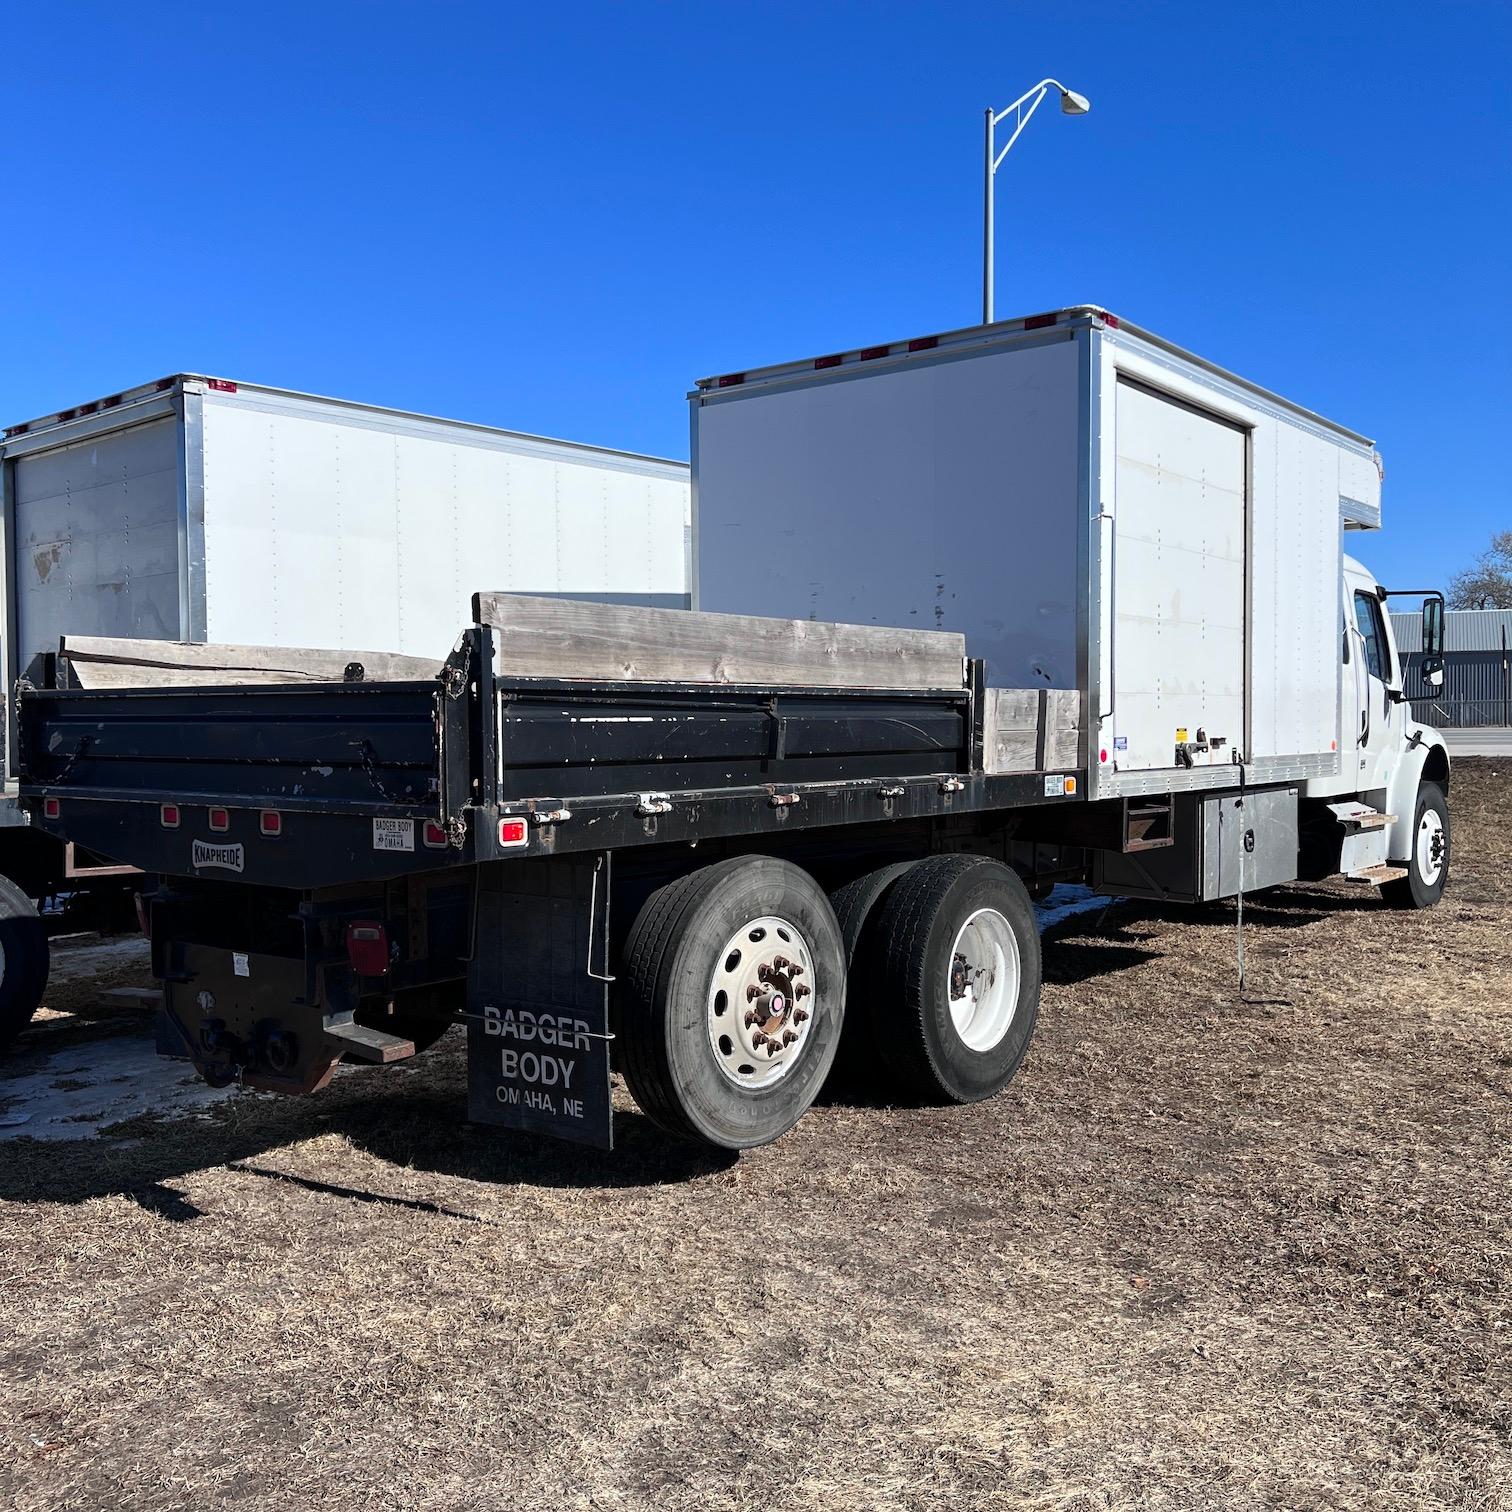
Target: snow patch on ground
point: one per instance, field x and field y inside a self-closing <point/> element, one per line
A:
<point x="79" y="1091"/>
<point x="1066" y="900"/>
<point x="71" y="960"/>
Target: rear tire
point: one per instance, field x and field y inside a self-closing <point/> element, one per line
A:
<point x="722" y="1039"/>
<point x="1428" y="863"/>
<point x="960" y="973"/>
<point x="857" y="909"/>
<point x="24" y="961"/>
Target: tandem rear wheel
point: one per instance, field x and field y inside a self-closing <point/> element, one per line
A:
<point x="732" y="1000"/>
<point x="944" y="958"/>
<point x="739" y="980"/>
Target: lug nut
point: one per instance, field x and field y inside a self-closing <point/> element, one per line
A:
<point x="788" y="1036"/>
<point x="771" y="1047"/>
<point x="795" y="970"/>
<point x="799" y="990"/>
<point x="800" y="1015"/>
<point x="752" y="993"/>
<point x="752" y="1017"/>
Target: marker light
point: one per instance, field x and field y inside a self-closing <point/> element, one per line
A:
<point x="169" y="815"/>
<point x="51" y="807"/>
<point x="220" y="820"/>
<point x="367" y="947"/>
<point x="434" y="835"/>
<point x="270" y="822"/>
<point x="514" y="832"/>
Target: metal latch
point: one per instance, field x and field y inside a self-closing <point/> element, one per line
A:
<point x="653" y="803"/>
<point x="551" y="816"/>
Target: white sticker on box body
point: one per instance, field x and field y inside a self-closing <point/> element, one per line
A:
<point x="394" y="834"/>
<point x="1055" y="787"/>
<point x="239" y="964"/>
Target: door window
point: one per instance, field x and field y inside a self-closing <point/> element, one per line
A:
<point x="1368" y="619"/>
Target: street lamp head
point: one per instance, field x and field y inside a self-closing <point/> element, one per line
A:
<point x="1073" y="103"/>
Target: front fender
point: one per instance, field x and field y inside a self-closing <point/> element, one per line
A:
<point x="1424" y="757"/>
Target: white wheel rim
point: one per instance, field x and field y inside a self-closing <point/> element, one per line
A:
<point x="761" y="1003"/>
<point x="1430" y="847"/>
<point x="982" y="978"/>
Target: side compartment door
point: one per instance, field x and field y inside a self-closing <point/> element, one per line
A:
<point x="1178" y="582"/>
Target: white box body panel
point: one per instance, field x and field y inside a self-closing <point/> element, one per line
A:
<point x="324" y="528"/>
<point x="1094" y="508"/>
<point x="937" y="494"/>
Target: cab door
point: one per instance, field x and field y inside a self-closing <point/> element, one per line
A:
<point x="1379" y="716"/>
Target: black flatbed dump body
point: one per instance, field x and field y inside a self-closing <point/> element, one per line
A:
<point x="379" y="778"/>
<point x="353" y="852"/>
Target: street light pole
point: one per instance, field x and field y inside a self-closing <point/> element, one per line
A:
<point x="1023" y="108"/>
<point x="987" y="227"/>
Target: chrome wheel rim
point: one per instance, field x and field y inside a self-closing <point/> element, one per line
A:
<point x="1431" y="843"/>
<point x="984" y="973"/>
<point x="761" y="1003"/>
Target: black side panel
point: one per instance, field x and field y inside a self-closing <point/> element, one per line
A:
<point x="358" y="747"/>
<point x="583" y="742"/>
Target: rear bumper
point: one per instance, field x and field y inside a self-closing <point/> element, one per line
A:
<point x="310" y="850"/>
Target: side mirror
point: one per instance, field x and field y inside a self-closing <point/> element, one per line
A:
<point x="1433" y="635"/>
<point x="1433" y="671"/>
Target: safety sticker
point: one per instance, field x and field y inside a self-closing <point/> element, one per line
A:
<point x="1120" y="742"/>
<point x="1181" y="735"/>
<point x="1055" y="787"/>
<point x="239" y="965"/>
<point x="394" y="834"/>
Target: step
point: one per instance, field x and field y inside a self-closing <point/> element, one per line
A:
<point x="368" y="1044"/>
<point x="1378" y="874"/>
<point x="1357" y="816"/>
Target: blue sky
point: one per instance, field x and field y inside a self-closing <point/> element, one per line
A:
<point x="555" y="217"/>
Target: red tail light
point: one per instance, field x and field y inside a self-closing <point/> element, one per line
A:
<point x="220" y="820"/>
<point x="434" y="834"/>
<point x="514" y="832"/>
<point x="169" y="815"/>
<point x="367" y="947"/>
<point x="270" y="822"/>
<point x="51" y="807"/>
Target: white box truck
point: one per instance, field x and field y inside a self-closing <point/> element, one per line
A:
<point x="1043" y="599"/>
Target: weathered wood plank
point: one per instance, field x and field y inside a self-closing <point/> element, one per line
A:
<point x="572" y="639"/>
<point x="1031" y="729"/>
<point x="99" y="661"/>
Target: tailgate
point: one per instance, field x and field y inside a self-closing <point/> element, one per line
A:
<point x="298" y="784"/>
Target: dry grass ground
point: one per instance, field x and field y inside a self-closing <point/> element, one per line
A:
<point x="1203" y="1253"/>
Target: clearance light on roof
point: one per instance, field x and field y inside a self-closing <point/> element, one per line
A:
<point x="731" y="379"/>
<point x="1038" y="322"/>
<point x="514" y="832"/>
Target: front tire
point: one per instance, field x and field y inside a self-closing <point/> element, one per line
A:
<point x="24" y="961"/>
<point x="1428" y="863"/>
<point x="960" y="969"/>
<point x="732" y="1001"/>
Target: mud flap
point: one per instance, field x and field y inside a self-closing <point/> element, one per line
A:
<point x="538" y="1001"/>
